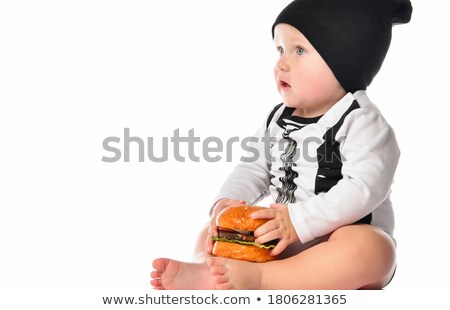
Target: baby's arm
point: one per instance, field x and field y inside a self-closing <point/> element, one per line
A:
<point x="370" y="155"/>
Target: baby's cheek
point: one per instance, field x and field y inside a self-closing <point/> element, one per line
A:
<point x="275" y="80"/>
<point x="275" y="72"/>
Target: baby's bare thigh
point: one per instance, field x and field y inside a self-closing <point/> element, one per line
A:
<point x="342" y="232"/>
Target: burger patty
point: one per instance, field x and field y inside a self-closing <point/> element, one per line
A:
<point x="236" y="236"/>
<point x="233" y="235"/>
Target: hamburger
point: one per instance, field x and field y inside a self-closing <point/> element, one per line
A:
<point x="235" y="237"/>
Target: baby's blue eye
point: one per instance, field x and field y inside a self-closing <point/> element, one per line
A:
<point x="300" y="51"/>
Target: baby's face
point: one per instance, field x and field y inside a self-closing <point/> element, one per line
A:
<point x="303" y="79"/>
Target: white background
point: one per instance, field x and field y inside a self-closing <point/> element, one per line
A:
<point x="75" y="72"/>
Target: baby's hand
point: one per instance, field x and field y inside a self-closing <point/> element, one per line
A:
<point x="212" y="231"/>
<point x="279" y="227"/>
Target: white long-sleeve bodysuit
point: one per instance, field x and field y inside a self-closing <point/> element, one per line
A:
<point x="331" y="171"/>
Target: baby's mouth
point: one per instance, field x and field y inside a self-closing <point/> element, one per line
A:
<point x="284" y="84"/>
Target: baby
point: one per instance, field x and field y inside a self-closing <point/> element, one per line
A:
<point x="331" y="164"/>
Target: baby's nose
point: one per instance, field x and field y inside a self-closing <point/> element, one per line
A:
<point x="282" y="65"/>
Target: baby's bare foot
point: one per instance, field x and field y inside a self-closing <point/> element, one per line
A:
<point x="170" y="274"/>
<point x="235" y="274"/>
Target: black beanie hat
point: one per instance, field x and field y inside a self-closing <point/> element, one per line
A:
<point x="352" y="36"/>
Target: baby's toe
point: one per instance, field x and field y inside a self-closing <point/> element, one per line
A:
<point x="218" y="270"/>
<point x="220" y="279"/>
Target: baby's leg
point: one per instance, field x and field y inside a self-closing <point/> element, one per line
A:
<point x="355" y="256"/>
<point x="171" y="274"/>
